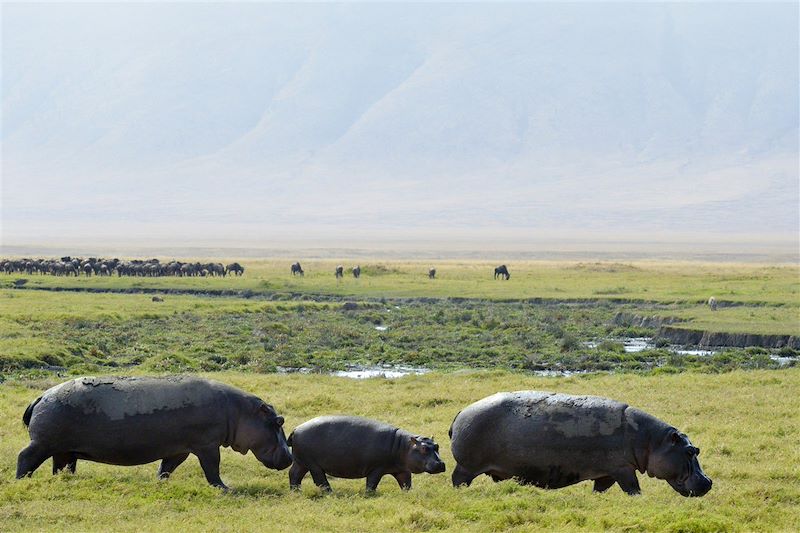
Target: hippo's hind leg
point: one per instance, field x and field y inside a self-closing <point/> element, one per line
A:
<point x="403" y="479"/>
<point x="209" y="462"/>
<point x="462" y="476"/>
<point x="320" y="479"/>
<point x="602" y="484"/>
<point x="30" y="459"/>
<point x="169" y="464"/>
<point x="374" y="477"/>
<point x="296" y="474"/>
<point x="64" y="460"/>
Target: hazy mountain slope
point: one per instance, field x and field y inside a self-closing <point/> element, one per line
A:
<point x="602" y="117"/>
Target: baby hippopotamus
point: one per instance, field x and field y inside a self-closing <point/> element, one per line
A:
<point x="352" y="447"/>
<point x="555" y="440"/>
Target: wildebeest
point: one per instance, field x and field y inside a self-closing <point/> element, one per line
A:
<point x="297" y="269"/>
<point x="357" y="271"/>
<point x="157" y="299"/>
<point x="501" y="272"/>
<point x="432" y="273"/>
<point x="353" y="447"/>
<point x="134" y="421"/>
<point x="236" y="268"/>
<point x="555" y="440"/>
<point x="339" y="273"/>
<point x="712" y="303"/>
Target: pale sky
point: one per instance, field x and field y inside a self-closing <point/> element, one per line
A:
<point x="256" y="123"/>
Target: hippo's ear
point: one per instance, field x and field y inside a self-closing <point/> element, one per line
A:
<point x="415" y="440"/>
<point x="675" y="437"/>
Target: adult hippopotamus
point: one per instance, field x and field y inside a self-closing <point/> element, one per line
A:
<point x="554" y="440"/>
<point x="352" y="447"/>
<point x="133" y="421"/>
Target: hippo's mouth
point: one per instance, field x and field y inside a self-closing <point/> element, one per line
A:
<point x="694" y="484"/>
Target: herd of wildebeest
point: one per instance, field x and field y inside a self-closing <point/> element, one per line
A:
<point x="539" y="438"/>
<point x="94" y="266"/>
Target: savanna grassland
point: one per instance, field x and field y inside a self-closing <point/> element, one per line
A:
<point x="745" y="423"/>
<point x="480" y="336"/>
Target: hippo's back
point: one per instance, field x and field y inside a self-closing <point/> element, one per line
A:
<point x="131" y="420"/>
<point x="118" y="397"/>
<point x="513" y="432"/>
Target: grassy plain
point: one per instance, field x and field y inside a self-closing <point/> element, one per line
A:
<point x="745" y="423"/>
<point x="644" y="281"/>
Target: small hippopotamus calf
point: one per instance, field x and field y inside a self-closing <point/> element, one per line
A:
<point x="555" y="440"/>
<point x="134" y="421"/>
<point x="353" y="447"/>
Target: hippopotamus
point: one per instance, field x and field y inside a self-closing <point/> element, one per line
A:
<point x="133" y="421"/>
<point x="555" y="440"/>
<point x="352" y="447"/>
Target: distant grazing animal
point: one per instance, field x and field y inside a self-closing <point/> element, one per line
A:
<point x="432" y="273"/>
<point x="297" y="269"/>
<point x="501" y="272"/>
<point x="357" y="271"/>
<point x="555" y="440"/>
<point x="339" y="272"/>
<point x="712" y="303"/>
<point x="134" y="421"/>
<point x="352" y="447"/>
<point x="157" y="299"/>
<point x="236" y="268"/>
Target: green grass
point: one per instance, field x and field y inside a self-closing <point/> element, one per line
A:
<point x="746" y="424"/>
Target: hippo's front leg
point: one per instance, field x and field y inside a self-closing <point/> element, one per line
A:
<point x="403" y="479"/>
<point x="209" y="462"/>
<point x="628" y="481"/>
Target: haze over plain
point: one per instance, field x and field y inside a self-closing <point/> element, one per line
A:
<point x="250" y="124"/>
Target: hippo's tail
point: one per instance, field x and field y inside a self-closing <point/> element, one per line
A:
<point x="450" y="431"/>
<point x="289" y="440"/>
<point x="26" y="417"/>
